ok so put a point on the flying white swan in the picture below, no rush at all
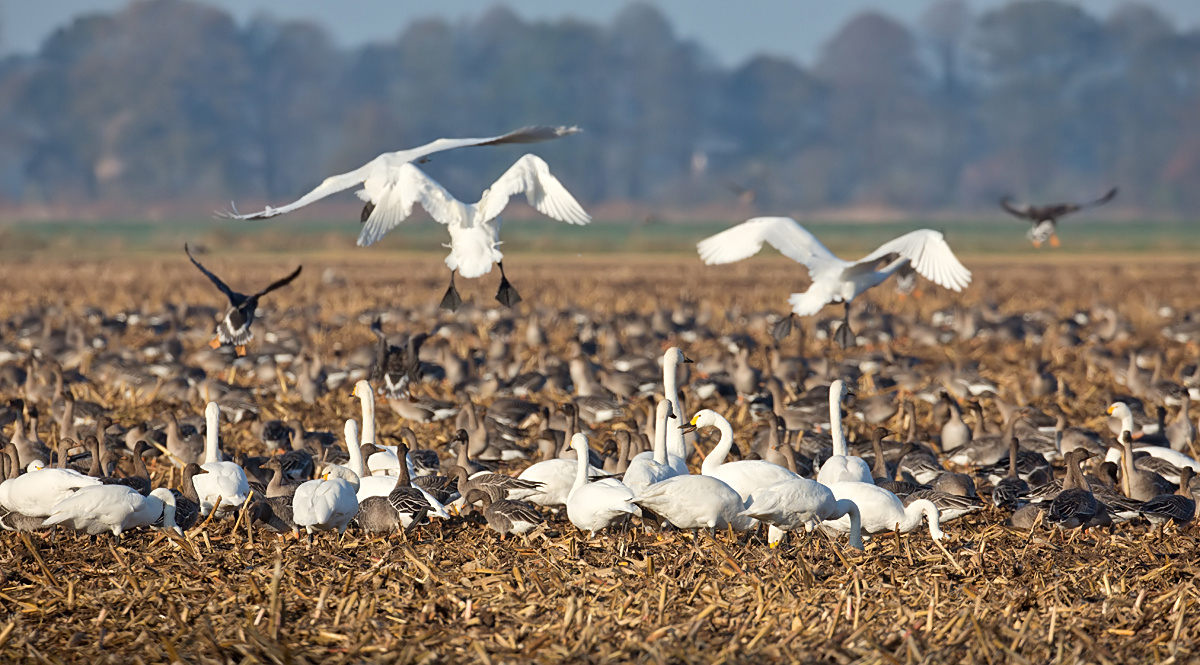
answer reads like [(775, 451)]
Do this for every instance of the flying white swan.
[(379, 176), (474, 227), (835, 279)]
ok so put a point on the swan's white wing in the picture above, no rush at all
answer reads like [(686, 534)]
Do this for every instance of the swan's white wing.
[(530, 175), (337, 183), (929, 254), (783, 233), (331, 185), (531, 134), (394, 197)]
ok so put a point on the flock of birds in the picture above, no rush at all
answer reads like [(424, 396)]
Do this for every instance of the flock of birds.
[(802, 467)]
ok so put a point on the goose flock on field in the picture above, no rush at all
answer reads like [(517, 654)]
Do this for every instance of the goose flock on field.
[(484, 419)]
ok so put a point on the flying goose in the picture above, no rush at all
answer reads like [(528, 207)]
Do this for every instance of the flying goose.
[(474, 228), (234, 329), (1045, 217), (835, 279)]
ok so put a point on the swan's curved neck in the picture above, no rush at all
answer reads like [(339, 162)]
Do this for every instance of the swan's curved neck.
[(1127, 421), (716, 457), (912, 517), (212, 452), (848, 507), (368, 414), (835, 422)]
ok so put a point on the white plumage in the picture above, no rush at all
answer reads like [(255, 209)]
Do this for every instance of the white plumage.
[(35, 493), (324, 505), (835, 279), (474, 228), (883, 511), (594, 506), (113, 508), (644, 471), (223, 481), (380, 175), (841, 467), (694, 502), (743, 476), (801, 502)]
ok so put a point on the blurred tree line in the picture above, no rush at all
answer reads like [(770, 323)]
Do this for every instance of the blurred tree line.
[(172, 100)]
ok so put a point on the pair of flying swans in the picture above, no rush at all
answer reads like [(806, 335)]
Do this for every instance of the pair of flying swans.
[(834, 279), (391, 184)]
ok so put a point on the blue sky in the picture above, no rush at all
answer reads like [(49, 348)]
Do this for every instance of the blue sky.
[(732, 30)]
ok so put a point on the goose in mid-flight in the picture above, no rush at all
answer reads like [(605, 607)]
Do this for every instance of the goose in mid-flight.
[(835, 279), (378, 176), (234, 329), (1045, 217), (474, 227)]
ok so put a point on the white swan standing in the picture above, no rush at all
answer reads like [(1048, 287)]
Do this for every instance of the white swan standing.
[(841, 467), (113, 508), (883, 511), (474, 228), (380, 176), (643, 472), (366, 485), (743, 476), (594, 506), (835, 279), (801, 502), (225, 481)]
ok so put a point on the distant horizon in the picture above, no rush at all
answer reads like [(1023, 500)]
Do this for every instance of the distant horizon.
[(731, 33)]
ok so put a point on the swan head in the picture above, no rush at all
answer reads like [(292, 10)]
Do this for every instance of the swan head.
[(675, 354), (212, 412), (35, 465), (1119, 410), (579, 443), (703, 418), (362, 389), (664, 410)]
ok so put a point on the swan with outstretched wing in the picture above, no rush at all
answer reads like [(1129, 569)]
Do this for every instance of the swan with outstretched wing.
[(835, 279)]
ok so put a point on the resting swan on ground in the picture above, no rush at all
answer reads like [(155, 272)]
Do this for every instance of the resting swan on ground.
[(841, 467), (474, 227), (35, 492), (801, 502), (114, 508), (744, 476), (834, 279), (694, 502)]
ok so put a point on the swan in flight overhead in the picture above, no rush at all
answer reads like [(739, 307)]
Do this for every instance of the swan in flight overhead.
[(835, 279), (1044, 218), (378, 176), (474, 228)]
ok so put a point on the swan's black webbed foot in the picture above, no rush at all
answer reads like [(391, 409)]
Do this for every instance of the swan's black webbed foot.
[(507, 295), (451, 301), (843, 335)]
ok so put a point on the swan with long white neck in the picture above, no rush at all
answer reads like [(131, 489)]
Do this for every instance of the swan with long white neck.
[(676, 447), (225, 481), (841, 467), (644, 472), (882, 511), (1121, 410), (801, 502), (594, 506), (743, 476)]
